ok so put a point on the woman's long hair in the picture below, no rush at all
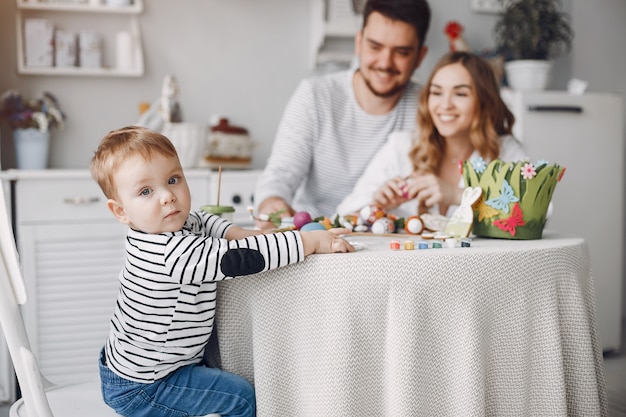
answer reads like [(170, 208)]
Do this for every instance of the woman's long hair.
[(493, 118)]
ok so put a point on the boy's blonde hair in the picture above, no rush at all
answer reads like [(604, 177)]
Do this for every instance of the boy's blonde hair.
[(118, 145)]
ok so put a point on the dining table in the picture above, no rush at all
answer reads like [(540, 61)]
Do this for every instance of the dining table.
[(493, 327)]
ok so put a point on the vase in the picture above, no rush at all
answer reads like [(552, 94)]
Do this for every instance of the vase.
[(528, 74), (31, 148)]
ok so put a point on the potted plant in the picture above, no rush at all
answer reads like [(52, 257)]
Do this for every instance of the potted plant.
[(31, 121), (530, 34)]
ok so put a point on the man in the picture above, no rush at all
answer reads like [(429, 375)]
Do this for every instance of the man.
[(334, 124)]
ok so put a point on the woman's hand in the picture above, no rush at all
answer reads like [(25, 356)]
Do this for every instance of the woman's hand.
[(430, 190), (391, 194)]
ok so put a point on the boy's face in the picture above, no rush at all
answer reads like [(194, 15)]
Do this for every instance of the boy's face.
[(151, 196)]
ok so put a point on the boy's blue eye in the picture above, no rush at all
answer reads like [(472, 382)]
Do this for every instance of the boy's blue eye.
[(173, 180), (145, 191)]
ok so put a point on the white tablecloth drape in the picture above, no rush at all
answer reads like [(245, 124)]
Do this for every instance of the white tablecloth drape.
[(503, 328)]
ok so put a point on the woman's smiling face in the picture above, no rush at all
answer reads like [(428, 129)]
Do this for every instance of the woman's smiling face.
[(452, 101)]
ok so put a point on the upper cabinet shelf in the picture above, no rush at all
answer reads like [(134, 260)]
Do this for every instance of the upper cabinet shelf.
[(117, 26), (334, 24), (135, 8)]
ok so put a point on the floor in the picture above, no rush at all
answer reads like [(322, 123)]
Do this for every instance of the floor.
[(614, 374)]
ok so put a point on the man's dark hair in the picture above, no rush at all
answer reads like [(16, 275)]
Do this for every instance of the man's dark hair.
[(414, 12)]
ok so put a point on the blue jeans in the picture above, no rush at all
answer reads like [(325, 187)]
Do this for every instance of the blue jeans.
[(193, 390)]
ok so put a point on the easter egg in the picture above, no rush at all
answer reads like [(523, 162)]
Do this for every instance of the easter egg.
[(300, 219), (312, 226), (369, 214), (383, 225), (414, 225), (327, 223)]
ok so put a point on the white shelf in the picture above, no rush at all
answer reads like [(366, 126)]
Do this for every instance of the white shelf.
[(332, 20), (132, 11), (78, 71), (338, 57), (135, 8), (346, 27)]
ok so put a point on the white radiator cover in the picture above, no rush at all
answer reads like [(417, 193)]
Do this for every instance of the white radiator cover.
[(75, 295)]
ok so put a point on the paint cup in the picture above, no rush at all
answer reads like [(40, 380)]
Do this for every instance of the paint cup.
[(225, 212)]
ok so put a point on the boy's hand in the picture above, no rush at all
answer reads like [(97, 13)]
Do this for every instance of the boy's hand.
[(326, 241)]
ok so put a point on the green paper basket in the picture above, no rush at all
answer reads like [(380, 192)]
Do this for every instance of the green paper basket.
[(516, 196)]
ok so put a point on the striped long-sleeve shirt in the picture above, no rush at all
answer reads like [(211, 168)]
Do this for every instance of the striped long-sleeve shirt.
[(324, 142), (166, 305)]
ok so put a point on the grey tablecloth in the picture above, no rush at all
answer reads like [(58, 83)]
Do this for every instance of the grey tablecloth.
[(503, 328)]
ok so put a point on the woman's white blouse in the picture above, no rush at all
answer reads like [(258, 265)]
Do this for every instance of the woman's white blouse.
[(393, 161)]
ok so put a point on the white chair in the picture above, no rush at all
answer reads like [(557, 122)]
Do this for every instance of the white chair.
[(40, 398)]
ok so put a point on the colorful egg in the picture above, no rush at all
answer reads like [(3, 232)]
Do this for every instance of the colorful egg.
[(414, 225), (301, 218), (371, 213), (327, 223), (312, 226), (383, 225)]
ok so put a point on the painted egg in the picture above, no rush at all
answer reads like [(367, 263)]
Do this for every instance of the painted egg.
[(327, 223), (312, 226), (414, 225), (383, 225), (300, 219), (371, 213)]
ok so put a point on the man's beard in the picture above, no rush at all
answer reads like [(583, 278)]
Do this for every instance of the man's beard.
[(390, 93)]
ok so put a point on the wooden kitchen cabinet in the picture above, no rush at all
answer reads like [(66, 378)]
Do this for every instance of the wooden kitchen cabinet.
[(72, 250), (102, 18)]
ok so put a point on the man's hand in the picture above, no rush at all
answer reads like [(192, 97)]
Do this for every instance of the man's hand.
[(267, 207)]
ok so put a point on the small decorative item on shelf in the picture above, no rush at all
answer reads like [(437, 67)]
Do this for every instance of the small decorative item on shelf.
[(229, 146), (529, 35), (454, 33), (38, 42), (516, 196), (31, 121)]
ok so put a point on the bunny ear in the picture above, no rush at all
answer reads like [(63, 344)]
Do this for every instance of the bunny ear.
[(475, 194), (471, 195)]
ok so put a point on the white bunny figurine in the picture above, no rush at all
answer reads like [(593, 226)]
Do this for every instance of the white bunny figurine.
[(460, 224)]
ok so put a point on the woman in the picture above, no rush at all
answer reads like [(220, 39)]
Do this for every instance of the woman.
[(461, 116)]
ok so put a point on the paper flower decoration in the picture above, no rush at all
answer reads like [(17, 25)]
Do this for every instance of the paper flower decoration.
[(478, 164), (528, 171)]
